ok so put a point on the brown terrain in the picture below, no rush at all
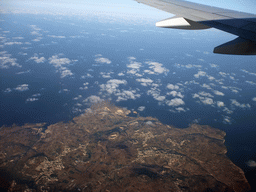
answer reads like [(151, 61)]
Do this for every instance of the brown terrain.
[(106, 150)]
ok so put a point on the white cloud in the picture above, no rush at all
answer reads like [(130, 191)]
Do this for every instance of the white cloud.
[(134, 65), (102, 60), (145, 82), (220, 104), (22, 53), (175, 102), (191, 82), (160, 98), (250, 82), (35, 33), (37, 39), (18, 38), (207, 101), (237, 104), (76, 36), (117, 81), (227, 110), (141, 108), (200, 73), (214, 65), (111, 86), (31, 99), (155, 93), (78, 97), (157, 67), (37, 59), (36, 95), (188, 66), (131, 58), (251, 163), (6, 61), (211, 78), (204, 98), (175, 94), (125, 95), (13, 43), (218, 93), (65, 73), (23, 87), (180, 109), (206, 86), (64, 90), (250, 73), (34, 27), (85, 86), (26, 48), (60, 63), (87, 76), (171, 86), (23, 72), (8, 90), (195, 95), (58, 37), (205, 94), (93, 99), (223, 74), (226, 120), (149, 72), (234, 91), (134, 72), (106, 75), (254, 98)]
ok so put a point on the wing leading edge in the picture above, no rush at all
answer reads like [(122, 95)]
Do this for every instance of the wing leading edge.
[(193, 16)]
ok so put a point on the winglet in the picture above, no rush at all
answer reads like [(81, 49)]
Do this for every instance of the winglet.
[(238, 46)]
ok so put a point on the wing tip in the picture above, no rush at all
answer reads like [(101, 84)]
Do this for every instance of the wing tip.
[(238, 46)]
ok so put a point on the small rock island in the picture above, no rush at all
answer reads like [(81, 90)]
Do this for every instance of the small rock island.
[(106, 150)]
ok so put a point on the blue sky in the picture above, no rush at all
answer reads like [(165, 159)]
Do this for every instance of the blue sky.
[(128, 5)]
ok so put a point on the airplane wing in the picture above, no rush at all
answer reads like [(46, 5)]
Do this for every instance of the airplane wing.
[(193, 16)]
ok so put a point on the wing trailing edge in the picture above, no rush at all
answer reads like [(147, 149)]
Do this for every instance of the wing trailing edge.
[(181, 23)]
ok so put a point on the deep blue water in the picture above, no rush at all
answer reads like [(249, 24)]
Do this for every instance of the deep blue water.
[(85, 38)]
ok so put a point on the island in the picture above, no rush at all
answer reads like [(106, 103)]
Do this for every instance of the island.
[(107, 149)]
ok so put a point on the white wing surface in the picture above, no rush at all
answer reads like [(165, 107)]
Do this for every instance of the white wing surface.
[(193, 16)]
